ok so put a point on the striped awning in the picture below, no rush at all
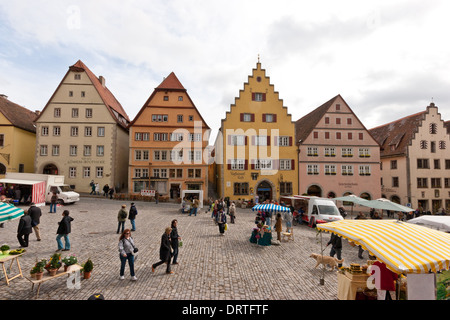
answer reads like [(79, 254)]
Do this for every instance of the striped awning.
[(403, 247), (9, 212), (270, 207)]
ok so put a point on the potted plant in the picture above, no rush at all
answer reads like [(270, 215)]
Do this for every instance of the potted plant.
[(54, 264), (87, 268), (5, 249), (38, 270), (69, 260)]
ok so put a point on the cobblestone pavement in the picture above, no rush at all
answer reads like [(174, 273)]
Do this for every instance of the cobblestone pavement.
[(211, 267)]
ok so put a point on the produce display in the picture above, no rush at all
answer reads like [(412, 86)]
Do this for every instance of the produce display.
[(17, 251)]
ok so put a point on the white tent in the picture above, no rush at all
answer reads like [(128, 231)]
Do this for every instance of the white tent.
[(441, 223)]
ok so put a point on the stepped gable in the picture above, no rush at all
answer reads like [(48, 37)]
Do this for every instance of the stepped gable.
[(19, 116), (394, 137)]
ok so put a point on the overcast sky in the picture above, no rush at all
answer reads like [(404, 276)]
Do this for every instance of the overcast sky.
[(388, 59)]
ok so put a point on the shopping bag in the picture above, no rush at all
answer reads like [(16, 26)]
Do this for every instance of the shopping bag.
[(226, 226)]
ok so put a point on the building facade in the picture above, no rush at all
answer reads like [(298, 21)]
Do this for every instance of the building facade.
[(255, 149), (168, 143), (17, 137), (416, 160), (337, 154), (82, 133)]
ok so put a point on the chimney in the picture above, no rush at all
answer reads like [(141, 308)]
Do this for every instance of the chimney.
[(3, 96), (102, 80), (37, 112)]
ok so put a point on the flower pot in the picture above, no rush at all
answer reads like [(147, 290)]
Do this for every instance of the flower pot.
[(52, 272), (87, 275), (33, 275), (39, 275), (5, 252), (65, 267)]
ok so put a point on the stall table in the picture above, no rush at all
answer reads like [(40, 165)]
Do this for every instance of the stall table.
[(348, 284), (10, 257), (47, 277)]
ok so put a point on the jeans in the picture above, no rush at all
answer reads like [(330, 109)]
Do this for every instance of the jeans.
[(121, 223), (123, 261), (133, 224), (53, 205), (175, 254), (66, 240), (193, 211)]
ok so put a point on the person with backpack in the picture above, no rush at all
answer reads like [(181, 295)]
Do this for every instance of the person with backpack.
[(132, 216), (121, 218)]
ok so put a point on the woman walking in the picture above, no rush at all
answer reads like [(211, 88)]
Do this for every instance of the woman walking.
[(278, 226), (164, 251), (64, 229), (126, 249), (232, 212), (174, 238), (222, 222)]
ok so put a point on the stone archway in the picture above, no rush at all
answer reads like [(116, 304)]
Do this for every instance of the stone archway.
[(314, 190), (265, 191), (50, 169)]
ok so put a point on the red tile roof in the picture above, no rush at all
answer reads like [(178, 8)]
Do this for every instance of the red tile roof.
[(19, 116), (171, 83)]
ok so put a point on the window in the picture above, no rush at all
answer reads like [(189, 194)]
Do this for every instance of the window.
[(338, 107), (57, 131), (160, 117), (349, 121), (137, 172), (77, 76), (347, 152), (145, 173), (327, 120), (88, 131), (176, 137), (160, 136), (237, 140), (44, 131), (312, 151), (393, 164), (447, 164), (72, 172), (347, 170), (241, 188), (156, 155), (436, 182), (423, 144), (447, 182), (285, 188), (74, 131), (89, 113), (316, 135), (269, 117), (163, 173), (350, 136), (330, 169), (361, 136), (338, 135), (57, 113), (198, 156), (83, 94), (156, 173), (285, 164), (101, 131), (433, 128), (164, 155), (261, 140), (87, 150), (70, 93), (166, 98), (100, 151), (433, 146), (263, 164), (180, 98), (395, 182), (257, 96), (437, 163), (442, 145), (73, 150), (191, 118), (327, 135), (422, 182), (86, 172), (55, 150), (176, 173), (247, 117), (364, 152), (284, 141), (330, 151), (43, 150), (237, 164), (364, 170), (21, 167), (423, 164), (99, 172), (74, 112), (180, 118), (313, 169), (338, 120)]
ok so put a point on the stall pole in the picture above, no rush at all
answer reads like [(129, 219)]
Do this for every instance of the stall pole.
[(322, 280)]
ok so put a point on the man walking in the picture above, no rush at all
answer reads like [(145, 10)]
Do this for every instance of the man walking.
[(336, 247), (35, 214), (121, 218), (195, 204), (132, 216), (24, 229)]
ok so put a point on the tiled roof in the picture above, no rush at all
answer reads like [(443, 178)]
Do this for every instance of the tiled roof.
[(171, 83), (305, 125), (394, 137), (106, 95), (19, 116)]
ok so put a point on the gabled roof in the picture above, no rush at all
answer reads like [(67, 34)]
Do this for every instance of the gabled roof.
[(394, 137), (107, 97), (305, 125), (19, 116), (171, 83)]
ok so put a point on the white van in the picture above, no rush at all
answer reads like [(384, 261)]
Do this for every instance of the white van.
[(313, 209)]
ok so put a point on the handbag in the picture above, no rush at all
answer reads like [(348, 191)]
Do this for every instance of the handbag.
[(135, 250), (180, 243)]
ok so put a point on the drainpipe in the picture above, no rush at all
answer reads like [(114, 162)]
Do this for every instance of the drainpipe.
[(298, 165)]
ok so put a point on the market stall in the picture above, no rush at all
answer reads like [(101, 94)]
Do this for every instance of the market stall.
[(403, 247), (262, 233)]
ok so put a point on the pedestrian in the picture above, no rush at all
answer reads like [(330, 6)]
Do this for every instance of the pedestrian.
[(288, 217), (376, 216), (222, 222), (105, 190), (64, 229), (213, 209), (126, 253), (92, 184), (97, 189), (174, 240), (24, 229), (164, 251), (232, 212), (227, 202), (156, 197), (360, 249), (111, 192), (336, 247), (278, 226), (121, 218), (35, 214), (195, 204), (132, 216), (53, 202)]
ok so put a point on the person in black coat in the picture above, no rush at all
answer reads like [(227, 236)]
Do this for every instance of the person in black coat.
[(35, 214), (164, 252), (24, 229), (174, 237), (64, 229), (132, 216), (336, 247)]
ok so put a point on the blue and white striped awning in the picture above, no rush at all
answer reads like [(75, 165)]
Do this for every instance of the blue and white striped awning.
[(9, 212), (270, 207)]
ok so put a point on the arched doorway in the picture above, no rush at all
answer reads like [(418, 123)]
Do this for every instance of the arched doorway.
[(50, 169), (264, 191), (315, 190), (395, 199), (366, 196), (2, 168)]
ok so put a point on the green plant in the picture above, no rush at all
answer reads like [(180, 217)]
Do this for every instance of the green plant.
[(54, 262), (4, 247), (70, 260), (88, 266), (39, 266)]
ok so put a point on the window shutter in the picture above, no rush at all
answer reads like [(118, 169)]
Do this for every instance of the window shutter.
[(268, 140), (253, 117), (292, 164), (274, 116), (246, 140), (229, 164), (263, 117), (242, 117), (246, 165), (290, 141), (253, 96), (263, 97), (252, 164)]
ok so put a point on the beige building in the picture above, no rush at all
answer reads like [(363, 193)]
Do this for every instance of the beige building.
[(82, 133), (415, 160)]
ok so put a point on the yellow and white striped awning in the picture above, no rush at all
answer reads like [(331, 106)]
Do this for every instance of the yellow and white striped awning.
[(402, 246)]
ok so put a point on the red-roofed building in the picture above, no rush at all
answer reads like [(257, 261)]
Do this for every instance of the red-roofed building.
[(168, 138), (82, 133), (415, 160)]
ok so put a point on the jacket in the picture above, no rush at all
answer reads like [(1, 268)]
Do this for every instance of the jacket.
[(126, 246), (233, 209), (278, 227), (132, 213), (174, 237), (335, 241), (64, 225), (164, 250), (122, 215), (24, 225), (35, 214)]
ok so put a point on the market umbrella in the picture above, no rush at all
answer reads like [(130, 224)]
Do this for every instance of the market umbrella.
[(9, 212), (385, 204), (402, 246), (353, 199), (270, 207), (439, 222)]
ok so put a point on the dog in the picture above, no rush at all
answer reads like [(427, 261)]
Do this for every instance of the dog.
[(326, 260)]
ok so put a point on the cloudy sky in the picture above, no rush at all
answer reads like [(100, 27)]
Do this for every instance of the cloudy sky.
[(388, 59)]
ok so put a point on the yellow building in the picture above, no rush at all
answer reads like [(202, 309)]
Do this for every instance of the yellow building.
[(255, 149), (17, 137)]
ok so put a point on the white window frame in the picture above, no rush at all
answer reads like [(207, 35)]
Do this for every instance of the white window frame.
[(237, 164), (285, 164)]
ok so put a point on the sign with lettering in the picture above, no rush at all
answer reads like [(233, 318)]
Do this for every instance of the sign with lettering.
[(150, 193)]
